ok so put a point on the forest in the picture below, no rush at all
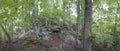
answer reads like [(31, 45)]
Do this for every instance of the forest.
[(59, 25)]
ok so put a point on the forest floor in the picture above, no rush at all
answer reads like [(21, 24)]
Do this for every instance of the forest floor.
[(49, 40)]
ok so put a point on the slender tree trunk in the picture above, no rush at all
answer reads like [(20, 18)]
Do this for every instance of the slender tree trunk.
[(87, 25), (78, 21)]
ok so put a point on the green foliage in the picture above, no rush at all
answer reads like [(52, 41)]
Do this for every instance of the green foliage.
[(21, 14)]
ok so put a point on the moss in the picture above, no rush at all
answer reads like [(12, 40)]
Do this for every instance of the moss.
[(53, 49), (27, 43)]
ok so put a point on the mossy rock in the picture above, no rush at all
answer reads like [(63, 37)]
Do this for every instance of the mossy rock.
[(27, 43), (53, 49)]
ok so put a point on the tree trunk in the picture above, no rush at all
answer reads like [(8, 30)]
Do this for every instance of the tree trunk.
[(78, 21), (87, 25)]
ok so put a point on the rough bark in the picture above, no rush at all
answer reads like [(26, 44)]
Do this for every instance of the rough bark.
[(87, 25), (78, 21)]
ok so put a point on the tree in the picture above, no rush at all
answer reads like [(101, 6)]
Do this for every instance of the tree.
[(78, 20), (87, 25)]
